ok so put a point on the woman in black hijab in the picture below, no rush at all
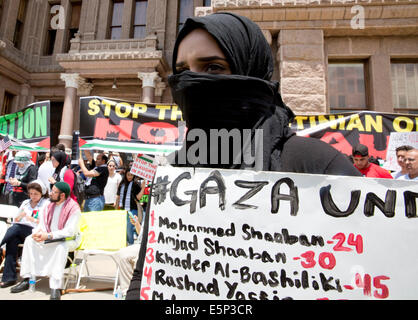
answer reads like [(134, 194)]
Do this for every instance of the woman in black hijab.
[(59, 162), (222, 69), (233, 90)]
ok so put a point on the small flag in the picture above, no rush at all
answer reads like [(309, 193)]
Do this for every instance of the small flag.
[(5, 143)]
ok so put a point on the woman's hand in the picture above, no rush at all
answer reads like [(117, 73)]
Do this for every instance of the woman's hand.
[(135, 222), (21, 215), (14, 182), (52, 180)]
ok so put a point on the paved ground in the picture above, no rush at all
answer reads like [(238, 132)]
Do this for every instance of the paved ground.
[(98, 265)]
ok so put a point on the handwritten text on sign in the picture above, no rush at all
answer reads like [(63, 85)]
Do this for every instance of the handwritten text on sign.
[(242, 235), (144, 167)]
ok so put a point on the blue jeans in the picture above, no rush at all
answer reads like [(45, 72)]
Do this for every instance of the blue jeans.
[(94, 204), (130, 230)]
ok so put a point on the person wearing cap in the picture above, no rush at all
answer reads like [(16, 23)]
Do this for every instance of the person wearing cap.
[(59, 221), (26, 172), (23, 224), (411, 164), (361, 162)]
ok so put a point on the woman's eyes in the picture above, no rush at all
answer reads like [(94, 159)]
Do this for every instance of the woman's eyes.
[(211, 68), (215, 68)]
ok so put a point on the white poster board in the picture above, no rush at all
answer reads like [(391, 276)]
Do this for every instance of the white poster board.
[(144, 167), (226, 234), (396, 140)]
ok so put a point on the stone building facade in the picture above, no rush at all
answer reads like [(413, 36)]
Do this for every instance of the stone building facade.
[(330, 55)]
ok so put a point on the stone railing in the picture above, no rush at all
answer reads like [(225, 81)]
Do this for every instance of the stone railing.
[(272, 3), (15, 55), (78, 45), (121, 49)]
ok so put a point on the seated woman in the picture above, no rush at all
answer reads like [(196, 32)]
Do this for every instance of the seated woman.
[(30, 212), (26, 172)]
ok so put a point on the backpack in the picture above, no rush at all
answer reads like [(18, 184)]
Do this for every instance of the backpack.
[(79, 187)]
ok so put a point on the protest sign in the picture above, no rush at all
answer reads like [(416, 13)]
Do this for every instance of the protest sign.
[(105, 230), (144, 167), (28, 128), (346, 130), (396, 140), (121, 126), (226, 234)]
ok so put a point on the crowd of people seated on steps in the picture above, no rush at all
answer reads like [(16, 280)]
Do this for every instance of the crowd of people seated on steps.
[(44, 188)]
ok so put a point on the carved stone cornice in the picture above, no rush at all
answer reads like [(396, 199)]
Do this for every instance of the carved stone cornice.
[(159, 88), (149, 79), (84, 88), (382, 17), (72, 80)]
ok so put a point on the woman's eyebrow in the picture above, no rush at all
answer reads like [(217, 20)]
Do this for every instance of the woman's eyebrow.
[(210, 58), (202, 59)]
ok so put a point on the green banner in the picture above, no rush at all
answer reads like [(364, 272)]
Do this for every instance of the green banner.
[(29, 128)]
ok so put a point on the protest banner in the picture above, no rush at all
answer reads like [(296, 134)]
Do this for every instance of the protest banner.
[(144, 167), (105, 230), (121, 126), (346, 130), (398, 139), (226, 234), (29, 128)]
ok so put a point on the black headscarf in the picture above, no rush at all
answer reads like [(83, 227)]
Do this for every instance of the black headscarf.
[(61, 157), (247, 99)]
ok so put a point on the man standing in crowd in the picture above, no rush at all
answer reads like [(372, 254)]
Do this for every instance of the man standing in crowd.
[(59, 221), (400, 157), (411, 163), (96, 182), (361, 162)]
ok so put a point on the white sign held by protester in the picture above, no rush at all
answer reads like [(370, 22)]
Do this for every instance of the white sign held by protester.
[(226, 234), (396, 140), (144, 167)]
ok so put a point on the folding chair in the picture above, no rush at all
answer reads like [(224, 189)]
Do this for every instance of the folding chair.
[(103, 234)]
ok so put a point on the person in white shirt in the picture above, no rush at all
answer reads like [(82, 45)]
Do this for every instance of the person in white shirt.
[(411, 162), (28, 218), (59, 222), (400, 157), (112, 185), (46, 170), (127, 257)]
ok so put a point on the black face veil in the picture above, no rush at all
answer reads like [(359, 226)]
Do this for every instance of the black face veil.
[(247, 99)]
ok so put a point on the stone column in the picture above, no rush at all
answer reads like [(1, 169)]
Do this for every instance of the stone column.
[(24, 95), (127, 19), (302, 70), (380, 83), (149, 83), (8, 24), (159, 91), (84, 90), (89, 19), (72, 82)]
